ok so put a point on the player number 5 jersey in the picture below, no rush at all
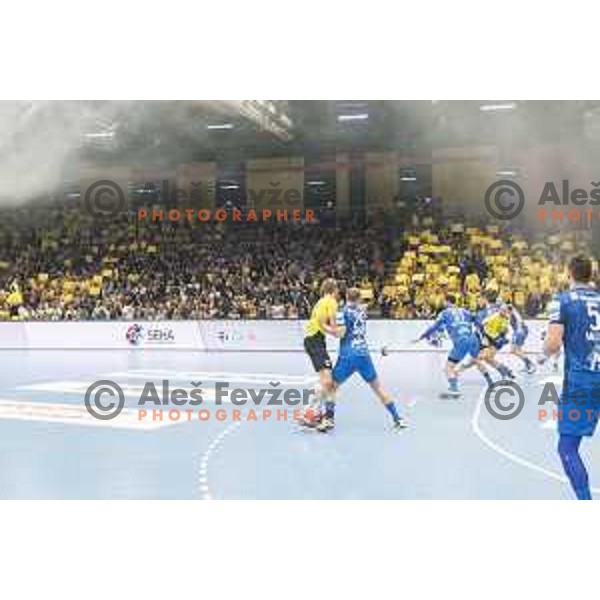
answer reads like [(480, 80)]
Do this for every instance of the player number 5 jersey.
[(578, 310)]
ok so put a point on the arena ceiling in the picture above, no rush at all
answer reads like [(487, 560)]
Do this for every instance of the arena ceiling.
[(237, 130)]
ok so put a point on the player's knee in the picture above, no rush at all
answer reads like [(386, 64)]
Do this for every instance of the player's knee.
[(325, 378)]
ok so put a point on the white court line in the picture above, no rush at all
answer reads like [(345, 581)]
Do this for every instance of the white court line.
[(510, 455), (215, 445), (67, 414), (80, 387)]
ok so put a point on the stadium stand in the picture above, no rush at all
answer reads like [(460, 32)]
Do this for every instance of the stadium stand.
[(57, 263)]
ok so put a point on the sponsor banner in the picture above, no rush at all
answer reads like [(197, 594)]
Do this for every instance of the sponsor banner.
[(288, 335), (163, 334), (252, 335), (215, 336), (114, 335)]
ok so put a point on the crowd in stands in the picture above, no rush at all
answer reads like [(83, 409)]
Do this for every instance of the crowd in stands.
[(469, 260), (58, 263)]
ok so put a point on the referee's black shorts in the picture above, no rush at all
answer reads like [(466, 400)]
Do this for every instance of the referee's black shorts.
[(316, 349)]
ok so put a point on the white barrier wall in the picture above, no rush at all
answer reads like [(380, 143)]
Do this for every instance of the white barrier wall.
[(217, 336), (100, 335), (12, 335), (288, 335)]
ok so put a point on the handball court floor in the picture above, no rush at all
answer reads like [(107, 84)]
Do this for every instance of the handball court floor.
[(453, 449)]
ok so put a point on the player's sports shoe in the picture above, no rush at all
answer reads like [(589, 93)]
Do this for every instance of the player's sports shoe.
[(530, 369), (311, 418), (507, 373), (325, 425), (450, 394), (399, 424)]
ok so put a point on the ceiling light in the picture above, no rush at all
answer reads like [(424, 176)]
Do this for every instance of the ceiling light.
[(356, 117), (496, 107)]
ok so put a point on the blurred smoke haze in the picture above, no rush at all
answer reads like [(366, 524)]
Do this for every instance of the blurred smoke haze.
[(41, 141), (39, 138), (36, 139)]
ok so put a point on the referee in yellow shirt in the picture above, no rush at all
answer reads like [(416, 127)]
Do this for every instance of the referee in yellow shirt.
[(322, 321)]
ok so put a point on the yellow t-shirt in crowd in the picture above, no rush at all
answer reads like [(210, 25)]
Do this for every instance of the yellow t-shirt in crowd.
[(472, 283), (492, 285), (325, 308), (470, 301), (15, 299)]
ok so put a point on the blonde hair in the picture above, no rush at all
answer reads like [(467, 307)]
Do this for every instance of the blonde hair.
[(329, 286), (353, 294)]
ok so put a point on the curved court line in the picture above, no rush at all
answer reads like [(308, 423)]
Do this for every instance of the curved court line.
[(213, 447), (509, 455)]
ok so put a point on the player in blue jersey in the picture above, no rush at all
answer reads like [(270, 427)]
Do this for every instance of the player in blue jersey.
[(459, 326), (575, 325), (520, 331), (354, 357)]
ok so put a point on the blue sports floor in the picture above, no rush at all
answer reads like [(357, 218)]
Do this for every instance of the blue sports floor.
[(453, 449)]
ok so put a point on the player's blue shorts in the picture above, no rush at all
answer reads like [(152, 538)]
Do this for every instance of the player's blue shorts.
[(579, 407), (519, 337), (348, 364), (462, 346)]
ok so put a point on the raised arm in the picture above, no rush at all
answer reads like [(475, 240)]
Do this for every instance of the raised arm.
[(435, 327)]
